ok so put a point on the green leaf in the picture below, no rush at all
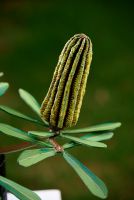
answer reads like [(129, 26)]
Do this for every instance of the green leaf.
[(84, 142), (30, 100), (18, 114), (93, 183), (96, 137), (19, 191), (3, 87), (31, 157), (96, 128), (1, 74), (14, 132), (41, 134)]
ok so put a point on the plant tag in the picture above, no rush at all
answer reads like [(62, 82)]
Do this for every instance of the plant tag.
[(43, 194)]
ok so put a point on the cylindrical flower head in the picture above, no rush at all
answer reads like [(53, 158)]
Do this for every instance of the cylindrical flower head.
[(62, 104)]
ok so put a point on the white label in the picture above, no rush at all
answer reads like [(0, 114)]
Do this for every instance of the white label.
[(43, 194)]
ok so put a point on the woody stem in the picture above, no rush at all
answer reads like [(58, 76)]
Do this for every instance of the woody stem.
[(55, 144)]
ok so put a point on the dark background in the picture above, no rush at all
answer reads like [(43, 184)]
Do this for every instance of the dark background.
[(32, 34)]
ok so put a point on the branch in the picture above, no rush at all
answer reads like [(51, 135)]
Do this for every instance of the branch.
[(15, 148)]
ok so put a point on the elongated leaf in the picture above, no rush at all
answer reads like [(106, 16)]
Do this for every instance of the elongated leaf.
[(84, 142), (14, 132), (3, 87), (30, 100), (18, 114), (41, 134), (1, 74), (96, 128), (96, 137), (70, 145), (19, 191), (93, 183), (31, 157)]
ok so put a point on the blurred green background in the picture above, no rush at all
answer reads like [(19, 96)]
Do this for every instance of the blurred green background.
[(32, 34)]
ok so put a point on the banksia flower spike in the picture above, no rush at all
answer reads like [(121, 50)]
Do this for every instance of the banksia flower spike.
[(62, 104)]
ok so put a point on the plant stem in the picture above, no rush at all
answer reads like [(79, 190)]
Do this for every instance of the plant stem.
[(55, 144), (16, 148)]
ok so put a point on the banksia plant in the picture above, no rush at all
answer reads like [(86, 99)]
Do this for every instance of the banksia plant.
[(59, 111), (62, 104)]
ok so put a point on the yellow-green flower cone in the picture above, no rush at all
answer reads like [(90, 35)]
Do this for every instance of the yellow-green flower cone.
[(62, 104)]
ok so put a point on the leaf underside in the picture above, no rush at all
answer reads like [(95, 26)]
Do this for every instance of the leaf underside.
[(31, 157), (93, 183), (19, 191), (42, 134), (85, 142), (96, 137), (15, 132)]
